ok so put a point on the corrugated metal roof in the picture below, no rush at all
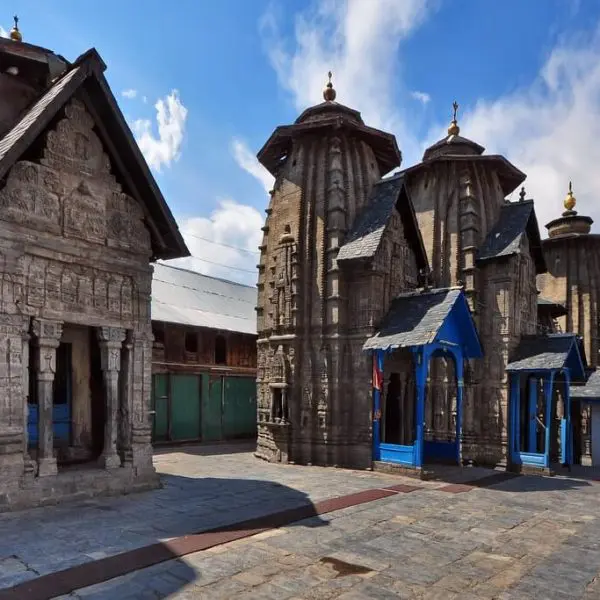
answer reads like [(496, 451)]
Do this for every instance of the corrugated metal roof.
[(190, 298)]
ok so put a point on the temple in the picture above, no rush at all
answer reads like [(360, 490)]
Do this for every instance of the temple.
[(400, 320), (81, 221)]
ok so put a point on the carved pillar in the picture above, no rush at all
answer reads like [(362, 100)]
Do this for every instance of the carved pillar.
[(126, 402), (141, 425), (47, 339), (111, 340)]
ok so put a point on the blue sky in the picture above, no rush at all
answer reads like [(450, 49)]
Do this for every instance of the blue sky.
[(225, 73)]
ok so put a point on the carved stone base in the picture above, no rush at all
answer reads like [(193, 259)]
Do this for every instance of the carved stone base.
[(47, 467), (110, 461)]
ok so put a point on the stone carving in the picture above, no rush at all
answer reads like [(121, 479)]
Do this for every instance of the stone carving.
[(85, 214)]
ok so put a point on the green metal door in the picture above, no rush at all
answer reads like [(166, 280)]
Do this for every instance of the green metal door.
[(212, 402), (185, 407), (239, 407), (161, 407)]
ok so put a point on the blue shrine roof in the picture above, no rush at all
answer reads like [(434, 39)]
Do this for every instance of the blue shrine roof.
[(552, 352), (439, 316), (590, 390)]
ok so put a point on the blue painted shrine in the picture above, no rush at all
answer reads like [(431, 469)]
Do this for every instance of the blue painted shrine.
[(541, 372), (425, 324)]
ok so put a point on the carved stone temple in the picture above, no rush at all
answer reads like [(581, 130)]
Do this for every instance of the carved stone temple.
[(81, 220), (400, 322)]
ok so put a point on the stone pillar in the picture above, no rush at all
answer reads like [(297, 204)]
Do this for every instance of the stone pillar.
[(141, 423), (111, 340), (126, 402), (47, 336)]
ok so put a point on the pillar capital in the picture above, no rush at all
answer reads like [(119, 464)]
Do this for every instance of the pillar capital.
[(111, 336), (46, 333)]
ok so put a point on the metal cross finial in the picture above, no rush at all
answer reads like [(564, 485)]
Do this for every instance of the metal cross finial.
[(570, 187), (16, 22), (455, 107), (522, 194), (329, 74)]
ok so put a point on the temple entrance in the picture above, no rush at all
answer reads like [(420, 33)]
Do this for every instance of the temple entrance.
[(441, 444), (542, 429), (540, 408), (417, 408), (78, 398)]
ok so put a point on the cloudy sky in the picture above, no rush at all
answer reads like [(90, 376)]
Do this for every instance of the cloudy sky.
[(203, 84)]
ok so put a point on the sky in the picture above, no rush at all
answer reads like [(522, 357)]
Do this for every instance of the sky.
[(203, 84)]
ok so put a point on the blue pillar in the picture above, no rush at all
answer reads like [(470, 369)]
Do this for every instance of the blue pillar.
[(459, 363), (378, 357), (548, 385), (532, 390), (421, 376), (566, 440), (515, 417)]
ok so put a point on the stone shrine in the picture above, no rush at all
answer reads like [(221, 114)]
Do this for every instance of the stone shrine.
[(81, 219)]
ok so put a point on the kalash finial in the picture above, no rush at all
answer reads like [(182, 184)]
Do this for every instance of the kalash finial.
[(522, 194), (329, 93), (454, 129), (570, 200), (15, 34)]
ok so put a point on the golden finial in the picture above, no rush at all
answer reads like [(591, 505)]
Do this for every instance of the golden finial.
[(329, 92), (15, 34), (522, 194), (570, 200), (454, 129)]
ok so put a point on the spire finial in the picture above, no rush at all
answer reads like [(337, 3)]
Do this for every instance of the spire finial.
[(570, 200), (522, 194), (454, 129), (15, 34), (329, 93)]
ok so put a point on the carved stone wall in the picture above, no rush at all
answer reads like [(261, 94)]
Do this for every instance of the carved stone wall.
[(315, 316), (73, 249), (457, 204)]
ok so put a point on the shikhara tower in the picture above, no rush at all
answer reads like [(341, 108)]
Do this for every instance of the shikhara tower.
[(316, 306)]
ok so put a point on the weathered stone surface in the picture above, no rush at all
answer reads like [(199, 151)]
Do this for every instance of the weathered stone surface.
[(74, 258)]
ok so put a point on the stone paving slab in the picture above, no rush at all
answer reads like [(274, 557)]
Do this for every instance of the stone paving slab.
[(523, 539)]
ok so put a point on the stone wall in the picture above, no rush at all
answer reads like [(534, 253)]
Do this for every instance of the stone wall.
[(74, 250)]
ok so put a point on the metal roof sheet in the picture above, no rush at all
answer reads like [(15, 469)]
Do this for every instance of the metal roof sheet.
[(190, 298)]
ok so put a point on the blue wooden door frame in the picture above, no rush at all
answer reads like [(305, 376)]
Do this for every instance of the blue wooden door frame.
[(532, 457), (413, 455)]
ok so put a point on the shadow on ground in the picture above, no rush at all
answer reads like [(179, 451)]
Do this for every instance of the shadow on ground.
[(210, 512)]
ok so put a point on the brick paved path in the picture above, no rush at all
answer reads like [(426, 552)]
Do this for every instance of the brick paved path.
[(520, 539)]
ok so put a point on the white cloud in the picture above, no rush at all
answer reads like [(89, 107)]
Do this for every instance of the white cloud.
[(171, 117), (130, 94), (144, 99), (358, 41), (247, 160), (550, 130), (3, 32), (422, 97), (236, 229)]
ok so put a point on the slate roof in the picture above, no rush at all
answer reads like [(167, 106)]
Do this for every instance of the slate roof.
[(516, 220), (542, 352), (450, 144), (85, 77), (590, 390), (190, 298), (555, 309), (363, 240), (414, 319)]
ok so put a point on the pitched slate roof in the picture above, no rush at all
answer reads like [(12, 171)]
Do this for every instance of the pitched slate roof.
[(554, 309), (364, 239), (414, 319), (516, 220), (190, 298), (543, 352), (590, 390), (85, 77)]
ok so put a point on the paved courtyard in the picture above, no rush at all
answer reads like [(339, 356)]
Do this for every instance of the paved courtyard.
[(523, 538)]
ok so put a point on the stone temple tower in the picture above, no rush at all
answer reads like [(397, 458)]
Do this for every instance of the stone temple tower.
[(325, 166)]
